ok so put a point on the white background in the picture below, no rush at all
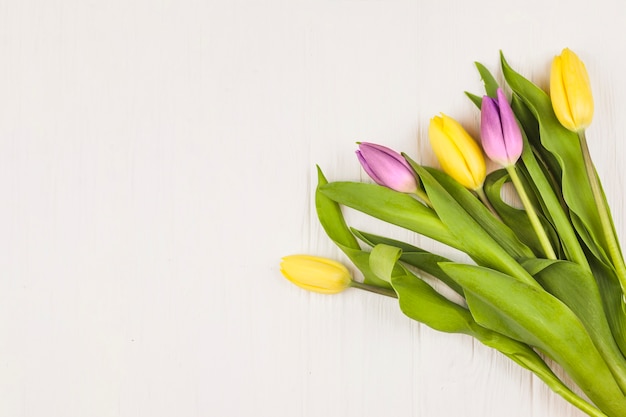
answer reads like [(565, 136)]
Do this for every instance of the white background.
[(157, 158)]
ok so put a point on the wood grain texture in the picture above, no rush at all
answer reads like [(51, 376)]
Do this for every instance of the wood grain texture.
[(157, 158)]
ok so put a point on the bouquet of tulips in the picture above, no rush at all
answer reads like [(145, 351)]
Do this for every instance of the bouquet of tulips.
[(547, 283)]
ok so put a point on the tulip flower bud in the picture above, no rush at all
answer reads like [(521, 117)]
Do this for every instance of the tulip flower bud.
[(316, 274), (570, 91), (457, 152), (500, 134), (387, 167)]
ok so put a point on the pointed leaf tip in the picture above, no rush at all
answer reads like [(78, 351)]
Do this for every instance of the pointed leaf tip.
[(491, 85), (321, 178), (477, 100)]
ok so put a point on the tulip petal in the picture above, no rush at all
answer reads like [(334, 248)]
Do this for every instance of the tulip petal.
[(367, 168), (570, 91), (558, 95), (470, 150), (578, 90), (383, 149), (501, 136), (511, 132), (457, 152), (315, 273), (491, 131), (387, 167)]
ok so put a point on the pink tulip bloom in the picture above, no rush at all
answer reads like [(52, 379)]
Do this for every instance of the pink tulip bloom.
[(501, 136), (387, 167)]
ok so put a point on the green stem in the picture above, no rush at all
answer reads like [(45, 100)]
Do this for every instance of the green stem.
[(422, 196), (374, 289), (548, 187), (530, 212), (605, 217)]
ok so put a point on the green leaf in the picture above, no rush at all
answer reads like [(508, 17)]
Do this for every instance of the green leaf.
[(500, 232), (516, 219), (390, 206), (577, 288), (477, 100), (533, 316), (422, 303), (411, 255), (383, 260), (333, 222), (526, 119), (373, 240), (530, 127), (613, 302), (417, 299), (553, 208), (529, 359), (475, 241), (331, 218), (491, 85), (540, 206)]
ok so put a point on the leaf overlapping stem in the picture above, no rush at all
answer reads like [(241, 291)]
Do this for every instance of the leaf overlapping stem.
[(532, 215), (612, 244)]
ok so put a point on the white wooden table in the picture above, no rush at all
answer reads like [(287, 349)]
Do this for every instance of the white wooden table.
[(157, 158)]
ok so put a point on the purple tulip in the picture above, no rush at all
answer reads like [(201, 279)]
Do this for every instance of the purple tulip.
[(500, 134), (387, 167)]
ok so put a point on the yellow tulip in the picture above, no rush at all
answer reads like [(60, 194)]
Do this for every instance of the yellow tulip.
[(570, 91), (457, 152), (316, 274)]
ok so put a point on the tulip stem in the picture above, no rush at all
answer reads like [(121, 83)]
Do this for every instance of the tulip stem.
[(530, 212), (483, 197), (373, 288), (422, 196), (603, 211)]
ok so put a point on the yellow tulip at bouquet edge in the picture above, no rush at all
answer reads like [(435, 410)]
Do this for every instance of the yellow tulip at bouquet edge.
[(570, 91), (316, 274), (548, 279)]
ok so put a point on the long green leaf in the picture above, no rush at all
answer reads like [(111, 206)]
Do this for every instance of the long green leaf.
[(383, 261), (475, 241), (530, 126), (411, 255), (390, 206), (500, 232), (422, 303), (553, 208), (613, 301), (333, 222), (577, 288), (477, 100), (491, 85), (535, 317)]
